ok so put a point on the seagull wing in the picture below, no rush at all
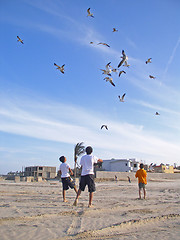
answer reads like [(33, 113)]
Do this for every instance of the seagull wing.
[(107, 66), (121, 62), (112, 83), (123, 53), (123, 96), (56, 65), (88, 11), (121, 72)]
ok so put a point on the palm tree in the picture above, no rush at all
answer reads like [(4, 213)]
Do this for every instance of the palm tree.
[(78, 150)]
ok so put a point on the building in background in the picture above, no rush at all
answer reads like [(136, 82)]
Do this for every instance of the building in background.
[(120, 165), (45, 172), (164, 169)]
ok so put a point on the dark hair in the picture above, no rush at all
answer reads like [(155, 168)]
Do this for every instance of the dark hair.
[(141, 165), (89, 150), (62, 159)]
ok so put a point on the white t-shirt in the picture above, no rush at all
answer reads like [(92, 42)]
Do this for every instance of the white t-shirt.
[(64, 167), (87, 163)]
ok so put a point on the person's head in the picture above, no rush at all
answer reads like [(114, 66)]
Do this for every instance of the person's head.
[(141, 165), (62, 159), (89, 150)]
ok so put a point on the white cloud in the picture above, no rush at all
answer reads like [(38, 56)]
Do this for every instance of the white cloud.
[(172, 56), (30, 119)]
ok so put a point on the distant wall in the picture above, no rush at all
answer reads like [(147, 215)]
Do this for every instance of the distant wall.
[(123, 175)]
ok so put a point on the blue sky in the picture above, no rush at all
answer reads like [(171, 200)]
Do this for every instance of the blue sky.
[(44, 113)]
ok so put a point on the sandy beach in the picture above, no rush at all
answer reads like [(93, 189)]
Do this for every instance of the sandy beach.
[(36, 211)]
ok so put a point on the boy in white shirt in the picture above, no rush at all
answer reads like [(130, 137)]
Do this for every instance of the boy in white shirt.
[(87, 175), (67, 182)]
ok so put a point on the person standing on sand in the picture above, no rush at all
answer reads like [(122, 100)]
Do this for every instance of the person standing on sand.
[(115, 178), (87, 175), (129, 180), (141, 174), (67, 182)]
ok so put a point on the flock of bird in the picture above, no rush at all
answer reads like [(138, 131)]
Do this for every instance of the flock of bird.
[(108, 68)]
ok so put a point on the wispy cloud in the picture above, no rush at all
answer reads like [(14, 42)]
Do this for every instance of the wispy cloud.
[(31, 120), (172, 56)]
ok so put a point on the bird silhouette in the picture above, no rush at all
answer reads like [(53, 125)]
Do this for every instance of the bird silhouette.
[(121, 73), (60, 68), (107, 71), (89, 13), (157, 113), (105, 44), (148, 61), (151, 76), (104, 126), (108, 79), (20, 40), (124, 58), (115, 30), (122, 98)]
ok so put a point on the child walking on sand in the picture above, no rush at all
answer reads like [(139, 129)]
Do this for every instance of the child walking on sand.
[(142, 181), (67, 182), (87, 175)]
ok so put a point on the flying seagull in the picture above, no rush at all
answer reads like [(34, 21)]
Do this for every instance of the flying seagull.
[(124, 58), (89, 13), (115, 30), (104, 126), (151, 76), (20, 40), (148, 61), (108, 79), (121, 72), (60, 68), (107, 71), (105, 44), (157, 113), (91, 42), (122, 98)]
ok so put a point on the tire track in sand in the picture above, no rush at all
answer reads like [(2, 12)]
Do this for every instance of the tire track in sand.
[(112, 231)]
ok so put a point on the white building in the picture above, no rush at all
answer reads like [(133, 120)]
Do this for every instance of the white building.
[(120, 165)]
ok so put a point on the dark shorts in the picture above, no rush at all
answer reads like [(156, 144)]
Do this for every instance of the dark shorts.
[(87, 180), (142, 185), (67, 182)]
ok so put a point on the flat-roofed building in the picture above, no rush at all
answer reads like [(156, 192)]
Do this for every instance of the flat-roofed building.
[(120, 165), (40, 171)]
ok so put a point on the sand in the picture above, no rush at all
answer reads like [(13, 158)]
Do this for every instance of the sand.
[(36, 211)]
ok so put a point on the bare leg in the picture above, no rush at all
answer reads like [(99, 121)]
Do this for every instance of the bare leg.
[(77, 197), (75, 189), (64, 196), (139, 193), (90, 199), (144, 193)]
